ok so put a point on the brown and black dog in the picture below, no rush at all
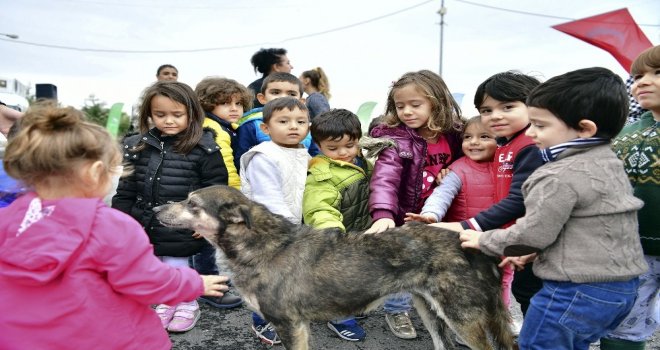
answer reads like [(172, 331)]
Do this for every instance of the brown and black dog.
[(293, 274)]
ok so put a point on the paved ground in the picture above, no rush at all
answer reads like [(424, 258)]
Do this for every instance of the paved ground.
[(230, 330)]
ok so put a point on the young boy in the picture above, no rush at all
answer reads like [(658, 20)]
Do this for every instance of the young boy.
[(581, 215), (224, 101), (501, 103), (638, 146), (273, 173), (275, 85), (337, 188)]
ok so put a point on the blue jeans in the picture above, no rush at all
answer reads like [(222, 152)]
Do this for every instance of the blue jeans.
[(204, 261), (565, 315), (396, 303)]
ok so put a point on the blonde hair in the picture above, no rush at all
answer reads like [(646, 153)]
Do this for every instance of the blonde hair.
[(445, 111), (319, 80), (53, 141)]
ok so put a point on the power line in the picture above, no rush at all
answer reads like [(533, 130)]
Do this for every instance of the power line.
[(63, 47), (532, 13)]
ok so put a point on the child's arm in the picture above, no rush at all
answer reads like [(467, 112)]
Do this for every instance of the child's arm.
[(213, 170), (320, 205), (267, 185), (384, 187), (247, 138), (224, 141), (511, 207), (436, 206)]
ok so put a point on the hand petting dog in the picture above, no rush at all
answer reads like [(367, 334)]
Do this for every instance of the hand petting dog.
[(215, 285), (470, 239)]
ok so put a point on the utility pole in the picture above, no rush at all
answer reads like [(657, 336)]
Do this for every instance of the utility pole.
[(442, 11)]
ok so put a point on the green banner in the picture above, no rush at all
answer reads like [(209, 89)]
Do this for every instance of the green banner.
[(114, 118)]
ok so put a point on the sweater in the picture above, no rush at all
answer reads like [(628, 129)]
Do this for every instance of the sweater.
[(581, 218)]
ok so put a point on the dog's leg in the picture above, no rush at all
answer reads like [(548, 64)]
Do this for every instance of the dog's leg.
[(294, 335), (429, 320), (498, 325)]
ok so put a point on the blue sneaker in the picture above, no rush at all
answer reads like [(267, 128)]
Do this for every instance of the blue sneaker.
[(266, 333), (348, 330)]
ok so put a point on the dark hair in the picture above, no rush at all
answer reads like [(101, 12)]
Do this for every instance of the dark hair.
[(648, 59), (505, 87), (594, 94), (319, 81), (165, 66), (264, 59), (213, 91), (183, 94), (445, 111), (281, 103), (334, 124), (281, 76)]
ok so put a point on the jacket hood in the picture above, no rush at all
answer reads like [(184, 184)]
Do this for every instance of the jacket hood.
[(42, 238)]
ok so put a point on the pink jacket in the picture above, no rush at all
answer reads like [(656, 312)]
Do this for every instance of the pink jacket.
[(82, 277)]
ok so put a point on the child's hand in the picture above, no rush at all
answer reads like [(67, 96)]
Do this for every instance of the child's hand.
[(517, 262), (454, 226), (428, 219), (441, 175), (197, 235), (380, 225), (470, 239), (215, 285)]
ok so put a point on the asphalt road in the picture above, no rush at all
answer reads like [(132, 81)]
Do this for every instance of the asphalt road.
[(230, 330)]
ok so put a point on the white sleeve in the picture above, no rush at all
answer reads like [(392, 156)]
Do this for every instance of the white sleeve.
[(439, 201), (266, 182)]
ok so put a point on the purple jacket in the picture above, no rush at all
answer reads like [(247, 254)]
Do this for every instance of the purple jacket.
[(397, 178)]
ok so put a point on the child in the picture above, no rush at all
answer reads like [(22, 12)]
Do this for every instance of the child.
[(74, 273), (273, 173), (169, 161), (276, 85), (337, 189), (423, 119), (637, 145), (500, 100), (581, 215), (223, 101), (468, 188), (316, 86)]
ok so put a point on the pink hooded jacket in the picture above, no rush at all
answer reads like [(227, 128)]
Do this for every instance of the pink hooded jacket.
[(75, 274)]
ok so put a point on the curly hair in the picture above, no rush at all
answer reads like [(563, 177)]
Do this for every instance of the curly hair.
[(213, 91)]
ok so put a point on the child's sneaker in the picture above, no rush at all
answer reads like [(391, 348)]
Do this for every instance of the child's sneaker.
[(165, 313), (185, 317), (348, 330), (266, 333), (401, 325)]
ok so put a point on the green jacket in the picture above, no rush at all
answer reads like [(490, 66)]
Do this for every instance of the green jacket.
[(337, 194), (638, 145)]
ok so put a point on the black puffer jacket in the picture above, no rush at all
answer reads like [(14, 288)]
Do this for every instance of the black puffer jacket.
[(161, 175)]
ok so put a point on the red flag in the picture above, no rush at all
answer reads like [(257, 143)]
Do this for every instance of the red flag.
[(615, 32)]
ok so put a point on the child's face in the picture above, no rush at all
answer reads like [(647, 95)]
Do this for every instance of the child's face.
[(168, 74), (503, 118), (287, 128), (231, 110), (343, 149), (646, 89), (412, 107), (478, 143), (277, 89), (547, 130), (169, 116)]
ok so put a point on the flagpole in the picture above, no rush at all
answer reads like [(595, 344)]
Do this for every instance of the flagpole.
[(442, 11)]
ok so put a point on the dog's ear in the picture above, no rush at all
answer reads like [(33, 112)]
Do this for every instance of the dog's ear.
[(239, 214)]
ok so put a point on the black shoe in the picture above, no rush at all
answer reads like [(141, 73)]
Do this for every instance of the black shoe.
[(226, 301)]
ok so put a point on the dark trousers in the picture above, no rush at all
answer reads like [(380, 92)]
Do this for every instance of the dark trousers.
[(525, 285), (204, 261)]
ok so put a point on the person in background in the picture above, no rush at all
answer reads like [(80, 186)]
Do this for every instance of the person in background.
[(638, 145), (316, 86), (267, 61), (75, 274), (167, 72), (169, 161), (424, 121)]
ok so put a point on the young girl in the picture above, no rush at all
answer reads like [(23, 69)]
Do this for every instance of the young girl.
[(424, 121), (169, 161), (316, 86), (74, 273)]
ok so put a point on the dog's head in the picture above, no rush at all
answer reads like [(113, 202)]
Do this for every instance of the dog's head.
[(207, 211)]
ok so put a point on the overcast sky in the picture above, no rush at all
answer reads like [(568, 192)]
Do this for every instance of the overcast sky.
[(362, 45)]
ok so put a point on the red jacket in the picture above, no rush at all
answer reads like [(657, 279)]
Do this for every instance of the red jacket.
[(477, 189)]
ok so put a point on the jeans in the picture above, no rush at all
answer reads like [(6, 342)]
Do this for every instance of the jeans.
[(396, 303), (204, 261), (566, 315)]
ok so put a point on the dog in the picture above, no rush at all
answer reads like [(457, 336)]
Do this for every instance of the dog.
[(293, 274)]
